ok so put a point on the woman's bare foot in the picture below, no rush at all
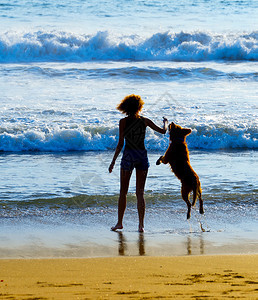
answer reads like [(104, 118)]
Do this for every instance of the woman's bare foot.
[(117, 226), (141, 229)]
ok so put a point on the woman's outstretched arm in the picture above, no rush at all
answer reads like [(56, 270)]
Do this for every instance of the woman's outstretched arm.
[(157, 128), (120, 144)]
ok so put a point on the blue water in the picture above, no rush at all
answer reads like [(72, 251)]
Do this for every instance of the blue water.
[(65, 65)]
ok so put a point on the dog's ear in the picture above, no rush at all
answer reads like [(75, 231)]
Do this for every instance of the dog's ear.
[(171, 125), (187, 131)]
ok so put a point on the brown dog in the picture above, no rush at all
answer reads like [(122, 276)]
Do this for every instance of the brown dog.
[(177, 156)]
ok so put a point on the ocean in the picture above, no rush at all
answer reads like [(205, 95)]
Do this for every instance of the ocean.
[(64, 67)]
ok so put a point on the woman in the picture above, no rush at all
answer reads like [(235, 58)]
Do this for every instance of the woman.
[(132, 129)]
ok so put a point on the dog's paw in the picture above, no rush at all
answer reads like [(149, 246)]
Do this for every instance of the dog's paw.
[(158, 162)]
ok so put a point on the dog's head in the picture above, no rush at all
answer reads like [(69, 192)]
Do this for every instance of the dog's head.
[(176, 132)]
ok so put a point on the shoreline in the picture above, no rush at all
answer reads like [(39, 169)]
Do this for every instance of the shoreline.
[(107, 244), (128, 256), (216, 276)]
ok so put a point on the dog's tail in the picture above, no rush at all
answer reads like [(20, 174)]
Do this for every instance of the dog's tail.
[(197, 192)]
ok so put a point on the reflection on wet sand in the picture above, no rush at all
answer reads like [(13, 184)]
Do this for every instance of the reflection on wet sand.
[(122, 244), (194, 245), (189, 245), (141, 244)]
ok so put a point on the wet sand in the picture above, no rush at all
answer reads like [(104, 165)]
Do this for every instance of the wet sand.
[(197, 277)]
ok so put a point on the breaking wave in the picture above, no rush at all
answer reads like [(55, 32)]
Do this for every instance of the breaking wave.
[(207, 137), (165, 46)]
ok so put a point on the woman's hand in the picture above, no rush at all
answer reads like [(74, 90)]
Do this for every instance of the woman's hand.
[(110, 169), (165, 120), (165, 123)]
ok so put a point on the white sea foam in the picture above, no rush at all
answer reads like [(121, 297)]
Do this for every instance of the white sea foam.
[(104, 138), (164, 46)]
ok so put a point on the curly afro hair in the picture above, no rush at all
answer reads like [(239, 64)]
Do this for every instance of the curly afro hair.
[(131, 105)]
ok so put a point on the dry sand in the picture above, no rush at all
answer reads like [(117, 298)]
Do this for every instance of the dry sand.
[(188, 277)]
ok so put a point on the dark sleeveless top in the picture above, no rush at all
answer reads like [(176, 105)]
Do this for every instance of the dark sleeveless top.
[(135, 133)]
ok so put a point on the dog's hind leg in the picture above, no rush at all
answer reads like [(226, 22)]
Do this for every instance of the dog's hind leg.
[(200, 202), (198, 191), (185, 191), (194, 197)]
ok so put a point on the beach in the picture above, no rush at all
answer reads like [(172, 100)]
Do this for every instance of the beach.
[(64, 67), (196, 277)]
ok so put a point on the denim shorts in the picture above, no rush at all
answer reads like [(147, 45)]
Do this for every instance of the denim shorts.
[(137, 159)]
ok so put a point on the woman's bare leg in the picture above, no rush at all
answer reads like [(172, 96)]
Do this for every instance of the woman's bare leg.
[(124, 184), (141, 176)]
